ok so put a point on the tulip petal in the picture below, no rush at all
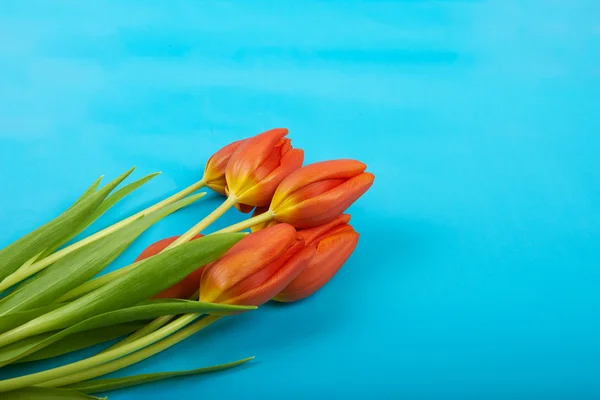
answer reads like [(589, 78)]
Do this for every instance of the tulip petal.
[(309, 191), (313, 235), (216, 165), (272, 161), (327, 206), (258, 278), (245, 258), (262, 192), (332, 252), (325, 170), (249, 156), (282, 278)]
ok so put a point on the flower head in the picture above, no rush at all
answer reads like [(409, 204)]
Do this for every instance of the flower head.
[(317, 193), (257, 268), (259, 165), (335, 242)]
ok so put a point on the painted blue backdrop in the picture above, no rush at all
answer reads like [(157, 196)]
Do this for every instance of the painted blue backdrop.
[(478, 270)]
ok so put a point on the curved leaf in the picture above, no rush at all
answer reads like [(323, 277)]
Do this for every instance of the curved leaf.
[(104, 385), (47, 236), (149, 310), (39, 393), (81, 265)]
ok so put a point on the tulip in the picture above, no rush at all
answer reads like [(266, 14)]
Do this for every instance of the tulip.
[(257, 268), (317, 193), (185, 288), (258, 166), (335, 242), (214, 172)]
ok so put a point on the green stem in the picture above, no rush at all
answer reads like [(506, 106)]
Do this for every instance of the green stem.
[(79, 366), (135, 357), (205, 223), (249, 223), (51, 259), (149, 328)]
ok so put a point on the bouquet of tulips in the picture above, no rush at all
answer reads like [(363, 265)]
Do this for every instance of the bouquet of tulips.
[(53, 302)]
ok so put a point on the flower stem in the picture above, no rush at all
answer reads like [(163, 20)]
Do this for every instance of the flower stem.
[(205, 223), (135, 357), (79, 366), (37, 266), (249, 223), (149, 328)]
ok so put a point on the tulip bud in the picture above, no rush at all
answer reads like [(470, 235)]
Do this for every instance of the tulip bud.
[(335, 242), (257, 268), (317, 193), (181, 290), (214, 172), (258, 166)]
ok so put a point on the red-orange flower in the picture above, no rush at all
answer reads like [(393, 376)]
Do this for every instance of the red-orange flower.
[(214, 172), (317, 193), (259, 165), (257, 268), (182, 290), (335, 242)]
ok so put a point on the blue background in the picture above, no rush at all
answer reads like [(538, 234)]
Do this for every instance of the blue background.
[(478, 270)]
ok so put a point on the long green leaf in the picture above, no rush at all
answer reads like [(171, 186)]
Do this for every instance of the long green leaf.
[(39, 393), (12, 320), (107, 204), (47, 236), (105, 385), (89, 191), (83, 340), (81, 265), (149, 310), (150, 277)]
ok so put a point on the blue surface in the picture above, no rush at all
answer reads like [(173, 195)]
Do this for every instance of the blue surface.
[(478, 270)]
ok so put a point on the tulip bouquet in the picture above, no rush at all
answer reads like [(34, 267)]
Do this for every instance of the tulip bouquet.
[(53, 302)]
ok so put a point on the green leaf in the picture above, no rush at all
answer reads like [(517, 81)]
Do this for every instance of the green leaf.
[(149, 310), (40, 393), (47, 236), (109, 203), (83, 340), (12, 320), (105, 385), (89, 191), (150, 277), (81, 265)]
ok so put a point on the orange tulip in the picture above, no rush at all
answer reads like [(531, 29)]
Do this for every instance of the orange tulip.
[(317, 193), (214, 172), (335, 242), (257, 268), (259, 165), (181, 290)]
